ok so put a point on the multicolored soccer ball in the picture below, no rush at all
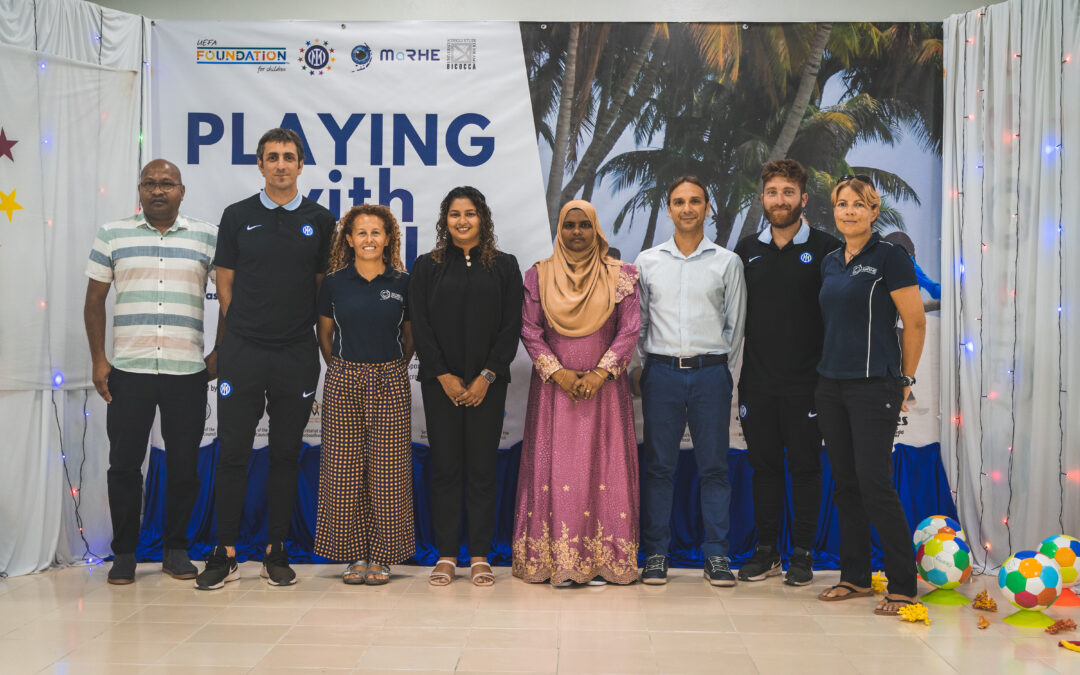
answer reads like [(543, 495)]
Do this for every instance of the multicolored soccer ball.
[(932, 525), (1030, 580), (944, 560), (1065, 551)]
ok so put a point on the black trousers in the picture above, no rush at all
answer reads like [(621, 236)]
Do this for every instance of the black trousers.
[(464, 455), (772, 423), (858, 420), (252, 378), (135, 400)]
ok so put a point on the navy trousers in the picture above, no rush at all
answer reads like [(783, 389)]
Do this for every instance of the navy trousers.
[(671, 398)]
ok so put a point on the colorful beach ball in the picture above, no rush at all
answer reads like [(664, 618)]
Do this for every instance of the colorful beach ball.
[(932, 525), (944, 560), (1030, 580), (1065, 551)]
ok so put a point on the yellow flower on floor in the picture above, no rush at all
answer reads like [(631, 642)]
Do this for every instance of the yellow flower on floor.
[(915, 613), (878, 582)]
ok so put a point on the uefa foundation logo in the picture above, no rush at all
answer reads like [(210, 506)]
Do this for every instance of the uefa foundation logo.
[(361, 57), (461, 54), (316, 56)]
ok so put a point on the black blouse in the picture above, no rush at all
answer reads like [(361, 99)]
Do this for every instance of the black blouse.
[(465, 318)]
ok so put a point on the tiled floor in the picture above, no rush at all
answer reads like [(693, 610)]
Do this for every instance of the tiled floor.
[(71, 621)]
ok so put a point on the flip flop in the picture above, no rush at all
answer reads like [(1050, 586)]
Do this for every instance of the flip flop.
[(852, 592), (881, 611)]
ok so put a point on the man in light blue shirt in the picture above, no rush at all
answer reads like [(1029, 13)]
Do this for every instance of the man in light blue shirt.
[(693, 305)]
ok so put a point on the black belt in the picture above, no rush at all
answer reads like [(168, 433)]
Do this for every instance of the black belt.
[(689, 362)]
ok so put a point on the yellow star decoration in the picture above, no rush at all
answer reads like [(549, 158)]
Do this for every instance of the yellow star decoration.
[(622, 515), (587, 514), (566, 488), (602, 486), (544, 488), (530, 514), (8, 203)]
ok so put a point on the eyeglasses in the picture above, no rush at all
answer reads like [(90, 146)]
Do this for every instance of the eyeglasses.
[(152, 186), (856, 176)]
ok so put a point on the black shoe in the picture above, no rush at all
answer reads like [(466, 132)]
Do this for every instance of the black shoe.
[(655, 571), (718, 570), (122, 571), (800, 568), (276, 568), (764, 564), (176, 563), (220, 569)]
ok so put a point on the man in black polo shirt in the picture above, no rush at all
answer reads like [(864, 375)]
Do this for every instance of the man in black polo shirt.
[(271, 255), (783, 342)]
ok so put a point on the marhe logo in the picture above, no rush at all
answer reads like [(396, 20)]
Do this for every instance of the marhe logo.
[(248, 56), (411, 54), (316, 56)]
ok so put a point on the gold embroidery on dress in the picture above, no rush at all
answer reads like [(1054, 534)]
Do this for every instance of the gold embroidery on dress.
[(577, 558), (625, 285), (546, 366)]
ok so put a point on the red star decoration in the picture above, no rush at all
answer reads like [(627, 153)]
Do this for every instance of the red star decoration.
[(6, 145)]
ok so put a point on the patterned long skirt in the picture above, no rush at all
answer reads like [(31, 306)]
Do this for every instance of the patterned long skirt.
[(365, 502)]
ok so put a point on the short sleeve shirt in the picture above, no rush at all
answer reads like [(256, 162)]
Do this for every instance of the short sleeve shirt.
[(160, 280), (860, 317), (369, 316), (275, 252)]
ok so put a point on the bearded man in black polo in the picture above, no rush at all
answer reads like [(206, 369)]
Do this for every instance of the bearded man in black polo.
[(784, 334)]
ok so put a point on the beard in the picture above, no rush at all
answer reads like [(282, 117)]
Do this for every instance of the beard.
[(784, 219)]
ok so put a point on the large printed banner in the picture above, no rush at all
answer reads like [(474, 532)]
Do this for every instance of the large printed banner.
[(399, 113), (390, 113)]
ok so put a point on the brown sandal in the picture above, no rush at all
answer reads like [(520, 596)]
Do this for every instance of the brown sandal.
[(355, 573), (852, 592)]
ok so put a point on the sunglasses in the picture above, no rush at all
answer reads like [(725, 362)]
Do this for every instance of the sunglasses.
[(857, 176)]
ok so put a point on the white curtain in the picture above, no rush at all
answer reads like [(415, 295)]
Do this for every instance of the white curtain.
[(73, 83), (1010, 340)]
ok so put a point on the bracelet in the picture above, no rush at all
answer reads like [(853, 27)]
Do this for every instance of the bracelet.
[(609, 376)]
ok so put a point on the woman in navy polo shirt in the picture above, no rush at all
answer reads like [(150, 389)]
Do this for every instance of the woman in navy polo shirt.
[(866, 375), (365, 474)]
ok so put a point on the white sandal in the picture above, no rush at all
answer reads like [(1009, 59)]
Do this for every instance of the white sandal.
[(481, 578)]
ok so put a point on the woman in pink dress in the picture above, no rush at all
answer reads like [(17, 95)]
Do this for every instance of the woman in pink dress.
[(577, 499)]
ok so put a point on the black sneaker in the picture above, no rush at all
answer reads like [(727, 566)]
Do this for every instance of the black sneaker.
[(176, 563), (276, 568), (122, 571), (764, 564), (718, 570), (800, 568), (220, 569), (655, 571)]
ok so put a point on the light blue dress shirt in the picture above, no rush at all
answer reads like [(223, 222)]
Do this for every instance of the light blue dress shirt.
[(691, 305)]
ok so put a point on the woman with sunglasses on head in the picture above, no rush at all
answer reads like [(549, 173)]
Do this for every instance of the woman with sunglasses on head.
[(866, 375), (577, 499), (365, 506), (465, 298)]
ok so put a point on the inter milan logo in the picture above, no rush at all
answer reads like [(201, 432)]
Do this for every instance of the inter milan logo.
[(361, 56), (316, 57), (807, 257), (307, 230), (224, 389), (743, 410)]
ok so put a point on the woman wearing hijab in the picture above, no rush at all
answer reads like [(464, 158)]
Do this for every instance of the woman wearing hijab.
[(577, 500)]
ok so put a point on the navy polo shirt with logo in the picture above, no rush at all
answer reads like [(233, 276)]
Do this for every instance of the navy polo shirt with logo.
[(860, 317), (368, 315), (275, 252), (784, 331)]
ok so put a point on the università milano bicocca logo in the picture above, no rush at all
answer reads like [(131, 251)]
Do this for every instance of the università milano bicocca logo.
[(316, 56)]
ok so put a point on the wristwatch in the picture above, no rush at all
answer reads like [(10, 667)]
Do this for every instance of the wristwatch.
[(488, 375), (907, 381)]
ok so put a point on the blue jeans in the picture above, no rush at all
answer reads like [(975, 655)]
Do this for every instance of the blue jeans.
[(671, 398)]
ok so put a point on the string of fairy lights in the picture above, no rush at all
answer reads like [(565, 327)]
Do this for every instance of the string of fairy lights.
[(1054, 150)]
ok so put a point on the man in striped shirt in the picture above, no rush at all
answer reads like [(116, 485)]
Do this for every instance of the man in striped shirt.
[(159, 262)]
